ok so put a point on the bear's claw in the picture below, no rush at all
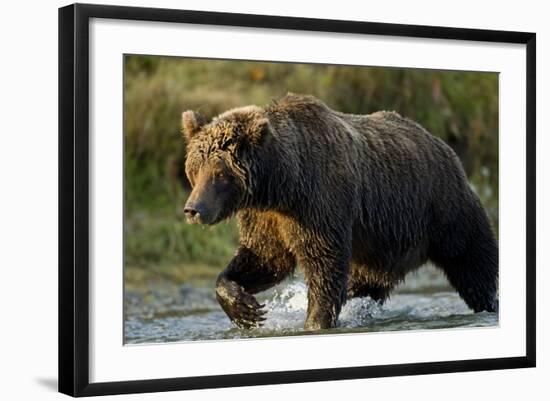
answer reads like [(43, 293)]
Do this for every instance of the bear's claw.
[(241, 307)]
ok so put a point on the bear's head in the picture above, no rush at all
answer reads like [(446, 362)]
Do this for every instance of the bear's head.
[(218, 163)]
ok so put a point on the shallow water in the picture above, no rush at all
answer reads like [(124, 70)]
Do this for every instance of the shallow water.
[(168, 314)]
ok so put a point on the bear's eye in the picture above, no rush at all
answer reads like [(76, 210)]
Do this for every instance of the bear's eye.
[(221, 177)]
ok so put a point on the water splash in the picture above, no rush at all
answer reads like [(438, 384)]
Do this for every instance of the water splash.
[(287, 310)]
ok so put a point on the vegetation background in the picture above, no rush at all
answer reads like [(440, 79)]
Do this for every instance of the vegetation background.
[(459, 107)]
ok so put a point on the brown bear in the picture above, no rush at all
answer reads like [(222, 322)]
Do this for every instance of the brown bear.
[(357, 201)]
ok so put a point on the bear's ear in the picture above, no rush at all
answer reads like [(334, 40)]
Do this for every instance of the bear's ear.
[(257, 130), (191, 123)]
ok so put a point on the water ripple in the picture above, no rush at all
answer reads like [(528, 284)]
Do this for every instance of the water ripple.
[(193, 314)]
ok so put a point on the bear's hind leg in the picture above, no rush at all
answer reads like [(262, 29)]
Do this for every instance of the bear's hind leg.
[(366, 282), (378, 292), (469, 258), (475, 282)]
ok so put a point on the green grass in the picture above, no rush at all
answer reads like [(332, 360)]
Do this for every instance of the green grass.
[(155, 236)]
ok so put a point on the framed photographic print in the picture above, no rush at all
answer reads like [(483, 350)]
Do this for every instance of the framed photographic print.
[(249, 199)]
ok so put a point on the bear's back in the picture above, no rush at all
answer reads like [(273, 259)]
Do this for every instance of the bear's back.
[(381, 131)]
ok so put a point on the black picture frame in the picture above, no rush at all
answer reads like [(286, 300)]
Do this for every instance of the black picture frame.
[(74, 198)]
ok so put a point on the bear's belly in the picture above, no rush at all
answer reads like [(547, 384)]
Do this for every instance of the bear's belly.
[(391, 257)]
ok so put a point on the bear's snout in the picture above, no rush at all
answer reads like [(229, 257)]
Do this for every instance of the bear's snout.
[(193, 212)]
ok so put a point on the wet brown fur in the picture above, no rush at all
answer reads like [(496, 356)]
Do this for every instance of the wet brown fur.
[(357, 201)]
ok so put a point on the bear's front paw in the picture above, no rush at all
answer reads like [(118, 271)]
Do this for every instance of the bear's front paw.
[(241, 307)]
